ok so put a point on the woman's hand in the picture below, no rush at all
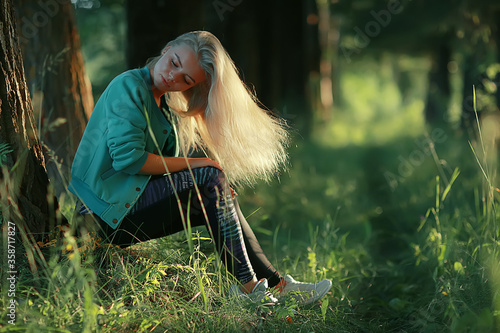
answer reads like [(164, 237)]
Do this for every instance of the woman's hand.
[(206, 162), (203, 162), (158, 165)]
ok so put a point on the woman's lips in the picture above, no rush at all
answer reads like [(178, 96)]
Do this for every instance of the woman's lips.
[(165, 82)]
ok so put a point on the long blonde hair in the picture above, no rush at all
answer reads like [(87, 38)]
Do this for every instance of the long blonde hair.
[(222, 116)]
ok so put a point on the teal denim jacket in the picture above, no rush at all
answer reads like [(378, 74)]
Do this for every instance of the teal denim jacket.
[(125, 125)]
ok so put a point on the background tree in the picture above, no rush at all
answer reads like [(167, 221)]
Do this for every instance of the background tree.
[(25, 195), (55, 73), (439, 91)]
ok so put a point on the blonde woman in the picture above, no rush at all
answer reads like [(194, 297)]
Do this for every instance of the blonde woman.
[(133, 174)]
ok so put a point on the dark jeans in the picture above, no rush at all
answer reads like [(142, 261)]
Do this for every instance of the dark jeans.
[(157, 213)]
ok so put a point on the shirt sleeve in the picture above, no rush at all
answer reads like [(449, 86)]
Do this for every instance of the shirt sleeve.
[(127, 124)]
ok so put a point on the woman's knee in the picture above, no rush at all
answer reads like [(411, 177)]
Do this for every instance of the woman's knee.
[(210, 176), (211, 184)]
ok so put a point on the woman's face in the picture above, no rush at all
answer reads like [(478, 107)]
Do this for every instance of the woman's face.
[(177, 70)]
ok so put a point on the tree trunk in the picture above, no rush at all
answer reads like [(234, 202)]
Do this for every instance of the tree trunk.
[(328, 26), (24, 181), (60, 89), (294, 63), (438, 95)]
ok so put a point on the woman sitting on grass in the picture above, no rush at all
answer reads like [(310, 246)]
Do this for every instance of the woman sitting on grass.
[(132, 173)]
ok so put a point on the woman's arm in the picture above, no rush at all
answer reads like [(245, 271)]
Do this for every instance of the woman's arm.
[(155, 164)]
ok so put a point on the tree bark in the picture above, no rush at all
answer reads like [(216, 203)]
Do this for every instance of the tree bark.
[(24, 181), (60, 89)]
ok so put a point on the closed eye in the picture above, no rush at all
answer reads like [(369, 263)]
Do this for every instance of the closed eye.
[(187, 77)]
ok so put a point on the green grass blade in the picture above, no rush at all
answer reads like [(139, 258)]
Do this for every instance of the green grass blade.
[(437, 193), (454, 176), (479, 163)]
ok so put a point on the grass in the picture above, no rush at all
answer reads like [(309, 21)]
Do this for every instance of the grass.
[(422, 256)]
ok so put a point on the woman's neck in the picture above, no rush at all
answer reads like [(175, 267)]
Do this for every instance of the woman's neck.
[(156, 93), (157, 98)]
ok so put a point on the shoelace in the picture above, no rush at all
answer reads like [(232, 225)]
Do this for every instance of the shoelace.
[(271, 299)]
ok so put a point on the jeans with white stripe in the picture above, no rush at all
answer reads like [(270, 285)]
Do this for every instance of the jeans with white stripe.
[(158, 213)]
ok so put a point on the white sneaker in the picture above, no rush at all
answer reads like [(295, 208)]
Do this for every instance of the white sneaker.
[(258, 295), (304, 293)]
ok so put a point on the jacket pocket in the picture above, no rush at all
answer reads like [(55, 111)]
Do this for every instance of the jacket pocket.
[(108, 174)]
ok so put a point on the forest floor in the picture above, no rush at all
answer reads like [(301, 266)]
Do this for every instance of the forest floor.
[(407, 231)]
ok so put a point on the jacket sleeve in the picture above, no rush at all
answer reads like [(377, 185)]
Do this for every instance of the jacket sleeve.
[(126, 138)]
